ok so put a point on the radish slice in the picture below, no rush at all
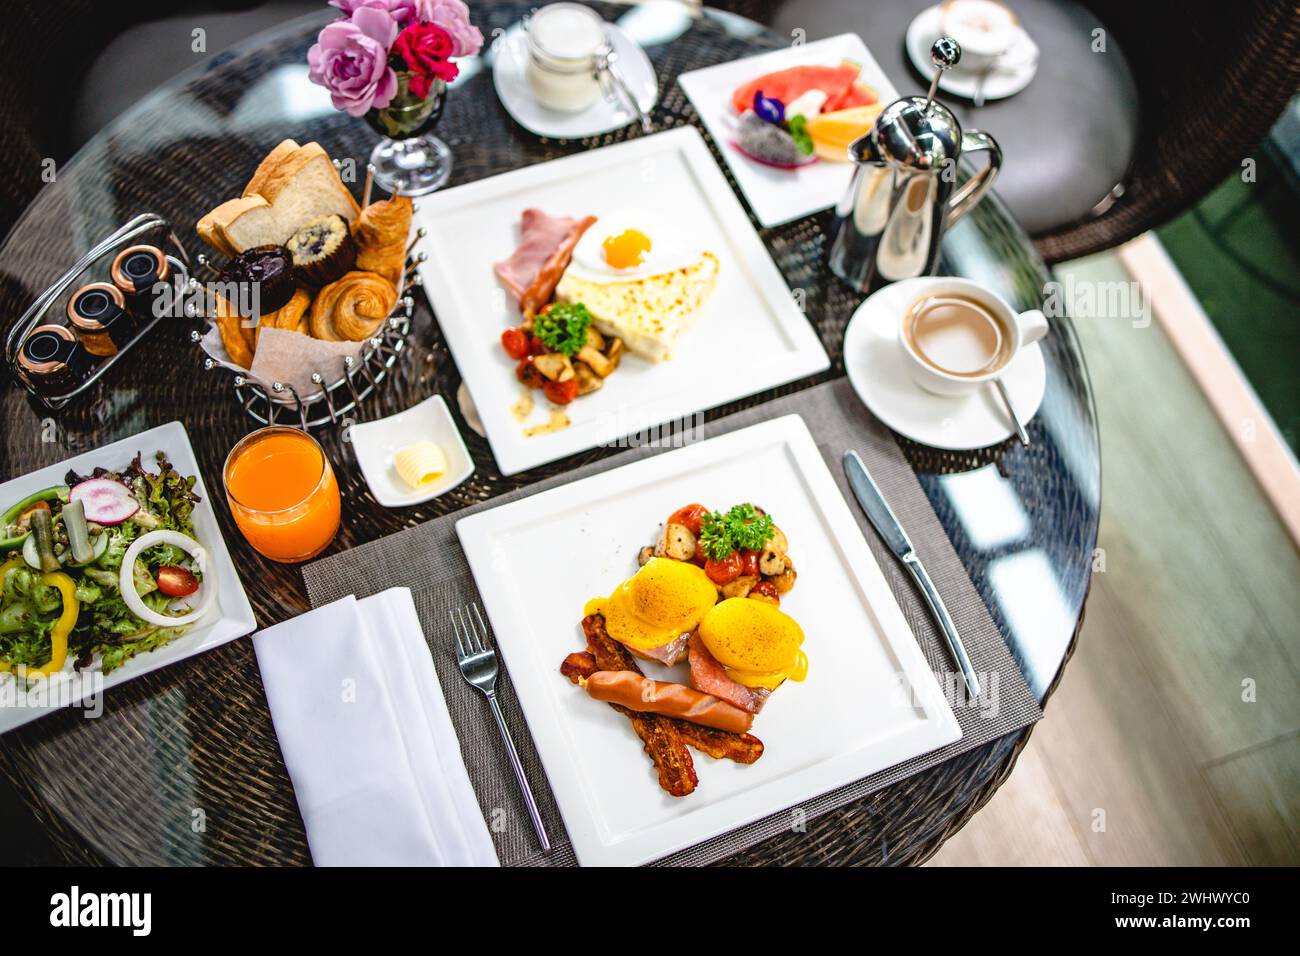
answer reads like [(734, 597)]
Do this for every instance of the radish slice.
[(126, 579), (106, 502)]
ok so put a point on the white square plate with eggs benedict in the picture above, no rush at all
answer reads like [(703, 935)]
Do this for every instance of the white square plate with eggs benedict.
[(695, 308), (866, 699)]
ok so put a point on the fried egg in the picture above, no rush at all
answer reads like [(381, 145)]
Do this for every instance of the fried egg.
[(630, 244)]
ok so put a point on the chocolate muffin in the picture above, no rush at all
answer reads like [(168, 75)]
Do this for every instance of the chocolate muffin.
[(323, 250), (270, 269)]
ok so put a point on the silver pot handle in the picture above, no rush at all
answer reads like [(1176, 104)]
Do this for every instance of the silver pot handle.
[(964, 199)]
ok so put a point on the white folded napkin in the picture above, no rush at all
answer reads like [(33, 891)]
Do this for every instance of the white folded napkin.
[(365, 734)]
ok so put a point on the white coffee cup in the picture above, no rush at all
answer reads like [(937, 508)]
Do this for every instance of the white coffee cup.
[(1013, 332), (984, 29)]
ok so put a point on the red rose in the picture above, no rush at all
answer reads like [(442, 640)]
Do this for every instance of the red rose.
[(426, 47)]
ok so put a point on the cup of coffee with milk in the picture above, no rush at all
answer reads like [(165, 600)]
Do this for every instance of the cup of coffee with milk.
[(958, 336), (985, 29)]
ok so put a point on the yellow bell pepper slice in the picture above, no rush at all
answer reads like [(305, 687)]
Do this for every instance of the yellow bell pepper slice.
[(62, 627), (14, 562)]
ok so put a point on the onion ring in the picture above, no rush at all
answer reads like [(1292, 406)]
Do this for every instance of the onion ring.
[(126, 578)]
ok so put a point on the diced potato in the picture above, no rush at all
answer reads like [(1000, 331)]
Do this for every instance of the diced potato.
[(594, 339), (588, 381), (644, 555), (770, 562), (778, 541), (614, 350), (598, 362), (785, 580), (555, 366), (676, 541), (739, 587)]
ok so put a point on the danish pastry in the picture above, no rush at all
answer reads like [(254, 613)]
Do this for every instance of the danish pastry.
[(352, 308)]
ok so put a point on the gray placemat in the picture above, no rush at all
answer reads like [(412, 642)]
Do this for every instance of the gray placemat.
[(428, 559)]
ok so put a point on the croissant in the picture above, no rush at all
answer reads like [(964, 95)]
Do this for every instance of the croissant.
[(380, 234), (230, 324), (289, 316), (351, 308)]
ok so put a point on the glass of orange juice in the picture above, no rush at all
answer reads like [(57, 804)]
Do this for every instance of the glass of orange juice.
[(282, 493)]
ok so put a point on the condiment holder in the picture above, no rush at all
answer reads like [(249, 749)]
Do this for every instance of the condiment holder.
[(57, 358)]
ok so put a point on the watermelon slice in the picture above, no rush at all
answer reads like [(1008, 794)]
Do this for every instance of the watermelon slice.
[(789, 84)]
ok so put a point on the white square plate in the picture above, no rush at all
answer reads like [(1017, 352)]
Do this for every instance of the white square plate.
[(870, 700), (377, 443), (780, 195), (230, 617), (750, 337)]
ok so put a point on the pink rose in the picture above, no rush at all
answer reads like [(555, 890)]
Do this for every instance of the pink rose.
[(400, 10), (452, 16), (350, 59)]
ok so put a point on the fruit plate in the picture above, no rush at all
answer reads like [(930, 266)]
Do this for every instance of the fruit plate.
[(869, 702), (230, 617), (749, 336), (780, 195)]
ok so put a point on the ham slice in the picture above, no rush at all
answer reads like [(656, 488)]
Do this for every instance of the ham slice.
[(708, 676), (545, 245), (667, 654)]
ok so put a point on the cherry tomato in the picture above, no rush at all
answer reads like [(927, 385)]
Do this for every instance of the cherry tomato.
[(749, 562), (724, 571), (536, 346), (515, 342), (529, 374), (176, 581), (691, 516), (561, 393), (766, 590)]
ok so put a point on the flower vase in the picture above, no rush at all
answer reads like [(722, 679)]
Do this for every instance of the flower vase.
[(409, 159)]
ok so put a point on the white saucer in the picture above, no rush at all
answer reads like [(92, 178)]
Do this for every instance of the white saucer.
[(376, 443), (874, 361), (509, 61), (1013, 72)]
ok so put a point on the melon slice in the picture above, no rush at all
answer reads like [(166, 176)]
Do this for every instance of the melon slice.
[(833, 132)]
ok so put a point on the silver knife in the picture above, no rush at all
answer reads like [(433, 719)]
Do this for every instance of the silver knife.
[(885, 522)]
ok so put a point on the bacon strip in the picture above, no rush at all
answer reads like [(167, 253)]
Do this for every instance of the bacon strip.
[(541, 289), (663, 742)]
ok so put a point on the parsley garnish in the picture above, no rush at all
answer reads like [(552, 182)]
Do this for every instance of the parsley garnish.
[(798, 129), (563, 328), (740, 529)]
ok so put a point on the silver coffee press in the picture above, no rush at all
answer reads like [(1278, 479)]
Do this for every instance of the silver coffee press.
[(903, 193)]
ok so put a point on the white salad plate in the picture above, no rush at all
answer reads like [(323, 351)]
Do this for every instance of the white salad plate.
[(509, 76), (1012, 72), (780, 195), (876, 368), (750, 335), (230, 617), (377, 443), (869, 702)]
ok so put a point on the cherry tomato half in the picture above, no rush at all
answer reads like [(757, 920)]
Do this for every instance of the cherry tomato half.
[(691, 516), (529, 374), (749, 562), (724, 571), (176, 581), (766, 590), (515, 342), (561, 393)]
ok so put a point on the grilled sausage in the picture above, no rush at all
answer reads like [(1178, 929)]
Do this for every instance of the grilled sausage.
[(671, 700)]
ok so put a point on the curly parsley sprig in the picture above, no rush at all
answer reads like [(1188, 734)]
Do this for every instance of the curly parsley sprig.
[(742, 528), (563, 327)]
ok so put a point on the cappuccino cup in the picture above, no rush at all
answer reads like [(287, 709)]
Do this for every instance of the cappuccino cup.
[(957, 336), (984, 29)]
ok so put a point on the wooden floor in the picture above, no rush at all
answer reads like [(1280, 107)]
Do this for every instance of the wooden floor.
[(1174, 737)]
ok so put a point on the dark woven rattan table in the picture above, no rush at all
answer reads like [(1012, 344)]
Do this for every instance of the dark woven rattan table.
[(216, 790)]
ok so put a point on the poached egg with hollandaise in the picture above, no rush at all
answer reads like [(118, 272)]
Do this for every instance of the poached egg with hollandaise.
[(758, 644), (651, 611)]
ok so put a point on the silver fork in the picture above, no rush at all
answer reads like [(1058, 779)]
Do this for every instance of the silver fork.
[(478, 665)]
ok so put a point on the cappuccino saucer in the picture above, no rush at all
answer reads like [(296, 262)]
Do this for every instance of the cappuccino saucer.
[(1012, 73), (874, 361)]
